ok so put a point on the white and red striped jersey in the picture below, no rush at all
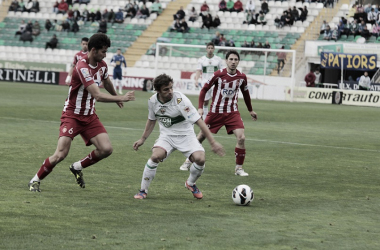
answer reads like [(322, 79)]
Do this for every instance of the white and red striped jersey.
[(79, 56), (79, 100), (226, 90)]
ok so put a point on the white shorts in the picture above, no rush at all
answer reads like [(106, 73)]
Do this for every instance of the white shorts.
[(186, 144)]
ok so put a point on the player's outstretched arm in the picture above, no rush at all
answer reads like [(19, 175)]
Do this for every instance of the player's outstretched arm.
[(216, 147), (149, 126), (68, 78), (197, 75), (103, 97)]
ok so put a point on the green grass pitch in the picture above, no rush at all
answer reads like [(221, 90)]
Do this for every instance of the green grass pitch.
[(314, 170)]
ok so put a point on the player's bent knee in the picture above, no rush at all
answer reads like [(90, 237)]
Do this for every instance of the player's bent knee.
[(107, 151), (157, 158), (198, 158)]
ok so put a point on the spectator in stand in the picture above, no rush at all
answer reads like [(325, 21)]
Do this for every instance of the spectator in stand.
[(261, 19), (29, 27), (238, 6), (354, 28), (28, 6), (230, 5), (14, 6), (245, 45), (216, 22), (351, 11), (180, 14), (176, 26), (365, 33), (295, 14), (91, 16), (98, 16), (105, 14), (252, 44), (281, 58), (21, 6), (131, 12), (361, 27), (48, 25), (375, 30), (230, 43), (207, 21), (204, 7), (21, 28), (323, 27), (259, 46), (359, 8), (250, 6), (289, 20), (365, 82), (35, 6), (222, 40), (216, 39), (184, 27), (75, 27), (70, 13), (266, 45), (372, 16), (248, 17), (26, 36), (55, 7), (193, 15), (128, 6), (304, 13), (367, 8), (136, 6), (85, 17), (36, 30), (222, 5), (264, 7), (310, 79), (144, 12), (102, 26), (119, 17), (277, 22), (65, 26), (327, 34), (63, 7), (76, 14), (156, 7), (53, 43), (56, 26), (318, 79), (335, 34)]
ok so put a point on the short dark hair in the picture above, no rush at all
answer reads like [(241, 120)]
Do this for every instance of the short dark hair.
[(210, 44), (84, 39), (161, 80), (98, 41), (232, 52)]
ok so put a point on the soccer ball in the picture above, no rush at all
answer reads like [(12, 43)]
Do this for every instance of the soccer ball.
[(242, 195)]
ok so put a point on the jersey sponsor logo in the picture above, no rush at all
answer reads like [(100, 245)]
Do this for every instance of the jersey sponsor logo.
[(166, 121), (85, 72), (179, 100), (191, 115), (88, 79), (228, 92)]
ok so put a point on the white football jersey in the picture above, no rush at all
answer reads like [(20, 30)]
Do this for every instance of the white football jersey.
[(208, 66), (175, 117)]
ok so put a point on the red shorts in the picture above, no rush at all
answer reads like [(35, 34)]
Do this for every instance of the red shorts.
[(231, 121), (87, 126)]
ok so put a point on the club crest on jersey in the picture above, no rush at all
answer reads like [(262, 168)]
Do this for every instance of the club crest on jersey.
[(179, 100), (166, 121), (162, 110), (100, 71), (85, 72)]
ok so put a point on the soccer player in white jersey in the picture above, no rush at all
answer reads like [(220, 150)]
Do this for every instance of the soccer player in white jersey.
[(77, 57), (224, 109), (176, 116), (78, 116), (207, 65)]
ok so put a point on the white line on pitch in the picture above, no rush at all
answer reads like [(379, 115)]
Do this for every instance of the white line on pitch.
[(217, 136)]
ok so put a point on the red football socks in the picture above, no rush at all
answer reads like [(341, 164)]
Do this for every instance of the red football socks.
[(240, 156), (45, 169), (89, 160)]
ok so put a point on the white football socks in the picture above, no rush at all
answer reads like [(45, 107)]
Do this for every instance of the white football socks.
[(35, 178), (195, 172), (148, 175)]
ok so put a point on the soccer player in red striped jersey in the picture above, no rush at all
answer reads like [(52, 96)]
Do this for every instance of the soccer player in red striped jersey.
[(78, 116), (224, 108), (77, 57)]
